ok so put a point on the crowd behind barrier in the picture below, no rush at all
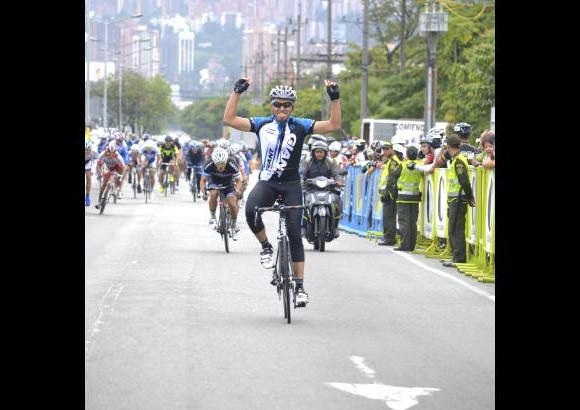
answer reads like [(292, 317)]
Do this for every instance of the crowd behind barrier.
[(362, 215)]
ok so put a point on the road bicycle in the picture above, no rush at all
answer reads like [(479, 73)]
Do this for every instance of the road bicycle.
[(147, 183), (133, 175), (168, 182), (283, 270), (195, 171), (111, 190), (224, 220)]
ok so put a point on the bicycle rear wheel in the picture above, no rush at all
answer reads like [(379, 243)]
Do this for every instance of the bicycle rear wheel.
[(193, 187), (284, 270), (224, 227)]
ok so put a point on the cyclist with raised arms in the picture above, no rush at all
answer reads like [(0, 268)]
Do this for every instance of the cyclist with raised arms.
[(281, 137), (220, 170)]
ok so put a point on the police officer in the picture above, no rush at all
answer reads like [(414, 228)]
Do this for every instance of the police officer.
[(408, 199), (388, 194), (459, 195)]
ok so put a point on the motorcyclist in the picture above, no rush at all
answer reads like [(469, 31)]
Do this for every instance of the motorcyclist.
[(318, 164)]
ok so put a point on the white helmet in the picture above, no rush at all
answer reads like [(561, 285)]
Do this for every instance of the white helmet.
[(219, 155), (335, 146), (149, 144), (223, 143), (234, 149), (283, 92)]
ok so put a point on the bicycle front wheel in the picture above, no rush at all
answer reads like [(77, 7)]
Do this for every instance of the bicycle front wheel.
[(284, 269), (224, 227), (104, 200)]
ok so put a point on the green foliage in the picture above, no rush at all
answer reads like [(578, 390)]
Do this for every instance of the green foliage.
[(465, 65), (204, 118)]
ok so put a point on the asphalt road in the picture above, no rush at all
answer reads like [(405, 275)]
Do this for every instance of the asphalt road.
[(173, 322)]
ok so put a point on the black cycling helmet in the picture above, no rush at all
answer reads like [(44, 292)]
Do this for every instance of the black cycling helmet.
[(168, 138), (462, 129), (434, 137), (360, 144)]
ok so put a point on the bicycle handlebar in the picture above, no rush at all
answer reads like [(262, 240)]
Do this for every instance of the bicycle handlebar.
[(277, 207)]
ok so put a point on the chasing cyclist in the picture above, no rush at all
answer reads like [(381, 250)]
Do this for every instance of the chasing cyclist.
[(149, 160), (168, 152), (113, 163), (220, 170)]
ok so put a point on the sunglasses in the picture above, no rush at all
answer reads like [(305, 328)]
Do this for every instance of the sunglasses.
[(284, 104)]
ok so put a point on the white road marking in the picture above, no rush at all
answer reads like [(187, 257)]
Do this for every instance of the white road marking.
[(396, 398), (359, 363), (105, 307), (445, 275)]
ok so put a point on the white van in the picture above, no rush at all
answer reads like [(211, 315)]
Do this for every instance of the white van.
[(405, 132)]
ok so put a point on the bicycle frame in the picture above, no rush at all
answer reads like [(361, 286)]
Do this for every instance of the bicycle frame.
[(283, 268), (110, 189), (193, 181), (147, 182), (169, 169), (134, 173), (224, 223)]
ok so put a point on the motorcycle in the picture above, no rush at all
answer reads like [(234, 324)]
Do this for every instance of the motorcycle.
[(321, 199)]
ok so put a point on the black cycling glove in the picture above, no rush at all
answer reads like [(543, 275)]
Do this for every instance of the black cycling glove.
[(333, 91), (241, 85)]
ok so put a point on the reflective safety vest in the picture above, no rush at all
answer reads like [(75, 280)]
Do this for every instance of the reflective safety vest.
[(453, 185), (408, 184), (385, 173)]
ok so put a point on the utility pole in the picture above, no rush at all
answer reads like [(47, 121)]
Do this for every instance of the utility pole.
[(365, 62), (329, 42), (286, 54), (88, 55), (278, 54), (106, 75), (120, 94), (402, 59), (298, 48)]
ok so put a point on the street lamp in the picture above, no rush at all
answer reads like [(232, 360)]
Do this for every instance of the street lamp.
[(107, 22), (431, 23)]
